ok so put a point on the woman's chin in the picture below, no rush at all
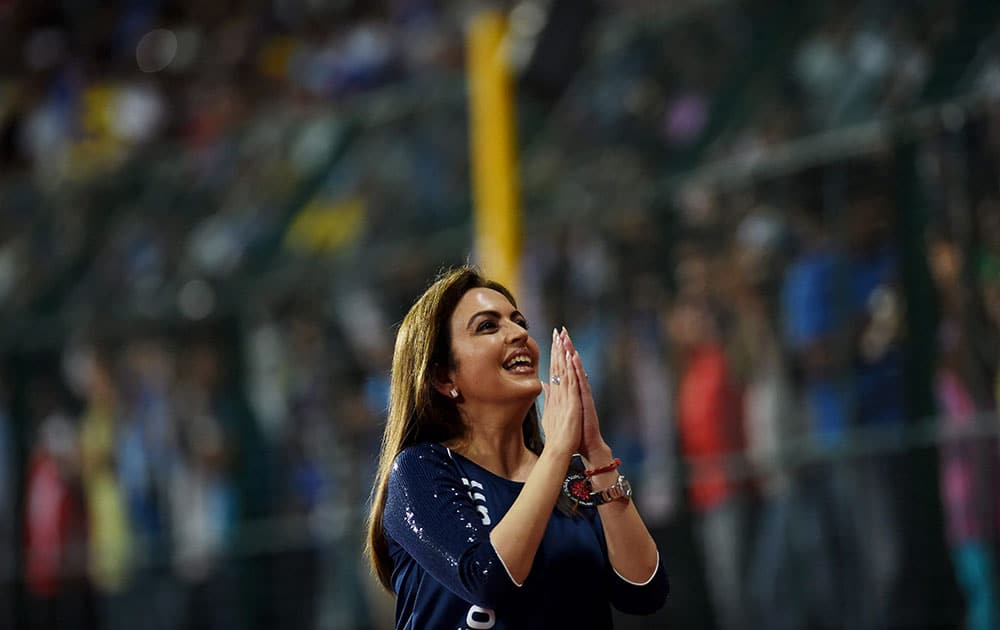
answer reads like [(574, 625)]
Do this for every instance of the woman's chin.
[(535, 388), (526, 385)]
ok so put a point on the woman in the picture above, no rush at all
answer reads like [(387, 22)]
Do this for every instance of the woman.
[(470, 524)]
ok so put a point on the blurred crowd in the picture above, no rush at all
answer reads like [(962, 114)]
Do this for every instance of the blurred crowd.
[(87, 83), (205, 243), (146, 144), (156, 486)]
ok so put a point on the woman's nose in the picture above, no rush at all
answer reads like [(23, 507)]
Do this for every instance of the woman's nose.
[(516, 333)]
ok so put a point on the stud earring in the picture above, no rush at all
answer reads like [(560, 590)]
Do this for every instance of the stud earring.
[(454, 393)]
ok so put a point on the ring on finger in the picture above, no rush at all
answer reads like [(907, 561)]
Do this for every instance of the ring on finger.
[(555, 380)]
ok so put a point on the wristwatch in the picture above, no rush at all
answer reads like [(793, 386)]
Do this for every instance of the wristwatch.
[(620, 490), (577, 487)]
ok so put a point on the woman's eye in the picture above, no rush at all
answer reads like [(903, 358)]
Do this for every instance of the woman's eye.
[(486, 325), (490, 324)]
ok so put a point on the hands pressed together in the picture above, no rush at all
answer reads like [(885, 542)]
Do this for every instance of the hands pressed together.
[(570, 416), (570, 424)]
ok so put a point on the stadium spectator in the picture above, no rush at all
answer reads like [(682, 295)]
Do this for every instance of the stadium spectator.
[(813, 325), (55, 527), (108, 529), (968, 463), (878, 396), (146, 454), (710, 433), (789, 581), (203, 496)]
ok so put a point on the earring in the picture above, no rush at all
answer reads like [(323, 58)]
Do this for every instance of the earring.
[(454, 393)]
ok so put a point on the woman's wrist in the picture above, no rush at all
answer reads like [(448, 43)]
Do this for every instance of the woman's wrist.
[(557, 453), (597, 457)]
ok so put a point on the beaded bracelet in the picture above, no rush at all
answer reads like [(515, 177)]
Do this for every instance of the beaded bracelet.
[(603, 469)]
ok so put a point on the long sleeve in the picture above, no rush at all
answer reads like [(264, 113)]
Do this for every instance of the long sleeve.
[(630, 597), (639, 599), (430, 513)]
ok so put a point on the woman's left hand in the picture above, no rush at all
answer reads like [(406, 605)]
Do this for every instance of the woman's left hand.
[(592, 444)]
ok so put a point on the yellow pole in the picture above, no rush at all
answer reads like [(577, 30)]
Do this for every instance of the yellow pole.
[(493, 140)]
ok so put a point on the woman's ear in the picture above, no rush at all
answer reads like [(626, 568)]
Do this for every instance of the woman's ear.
[(441, 381)]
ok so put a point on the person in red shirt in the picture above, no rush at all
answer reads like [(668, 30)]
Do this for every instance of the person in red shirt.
[(710, 429), (55, 531)]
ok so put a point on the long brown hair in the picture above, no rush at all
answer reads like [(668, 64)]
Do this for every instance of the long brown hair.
[(417, 412)]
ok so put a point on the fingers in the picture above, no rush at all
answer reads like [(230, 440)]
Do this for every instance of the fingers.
[(582, 375), (568, 342), (571, 379), (569, 354), (577, 362), (579, 380), (561, 367), (562, 418), (554, 394), (557, 363), (564, 334)]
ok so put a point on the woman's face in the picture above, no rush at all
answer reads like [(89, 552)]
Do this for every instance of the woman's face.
[(495, 358)]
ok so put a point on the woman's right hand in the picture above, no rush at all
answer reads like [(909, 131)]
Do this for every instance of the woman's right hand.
[(562, 418), (517, 535)]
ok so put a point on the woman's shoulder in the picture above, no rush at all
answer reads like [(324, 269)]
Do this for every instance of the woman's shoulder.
[(422, 456), (424, 449)]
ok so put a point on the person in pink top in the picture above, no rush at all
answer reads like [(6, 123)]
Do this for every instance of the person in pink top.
[(968, 463)]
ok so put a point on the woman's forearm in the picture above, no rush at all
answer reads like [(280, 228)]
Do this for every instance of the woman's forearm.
[(517, 536), (631, 549)]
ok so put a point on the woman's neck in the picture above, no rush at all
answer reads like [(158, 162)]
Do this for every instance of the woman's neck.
[(496, 444)]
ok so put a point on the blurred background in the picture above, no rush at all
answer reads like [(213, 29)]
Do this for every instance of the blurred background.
[(773, 227)]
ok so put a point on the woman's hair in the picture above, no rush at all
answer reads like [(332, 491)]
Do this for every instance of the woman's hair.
[(418, 412)]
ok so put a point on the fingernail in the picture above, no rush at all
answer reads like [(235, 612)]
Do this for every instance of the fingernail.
[(569, 357)]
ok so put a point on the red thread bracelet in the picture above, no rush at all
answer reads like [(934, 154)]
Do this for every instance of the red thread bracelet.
[(603, 469)]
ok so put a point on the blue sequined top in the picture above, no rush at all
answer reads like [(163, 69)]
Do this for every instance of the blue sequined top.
[(446, 574)]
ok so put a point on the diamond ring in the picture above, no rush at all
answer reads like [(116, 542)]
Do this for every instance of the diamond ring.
[(555, 380)]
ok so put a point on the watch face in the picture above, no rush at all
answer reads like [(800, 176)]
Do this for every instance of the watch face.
[(577, 488)]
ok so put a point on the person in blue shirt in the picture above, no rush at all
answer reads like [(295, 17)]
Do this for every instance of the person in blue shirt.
[(476, 523)]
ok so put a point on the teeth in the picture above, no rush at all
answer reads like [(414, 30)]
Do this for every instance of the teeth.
[(519, 360)]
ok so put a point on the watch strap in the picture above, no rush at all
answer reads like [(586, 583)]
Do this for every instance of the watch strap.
[(621, 490)]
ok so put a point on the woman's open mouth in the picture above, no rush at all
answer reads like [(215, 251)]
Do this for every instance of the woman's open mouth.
[(520, 363)]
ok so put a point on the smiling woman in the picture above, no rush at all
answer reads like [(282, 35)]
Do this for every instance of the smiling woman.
[(492, 355), (471, 525)]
